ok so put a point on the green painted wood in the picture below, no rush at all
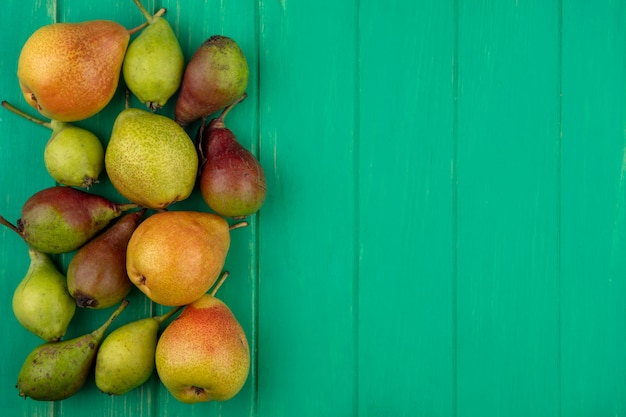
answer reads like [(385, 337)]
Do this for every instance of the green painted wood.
[(508, 209), (23, 173), (593, 279), (444, 228), (406, 218), (307, 240)]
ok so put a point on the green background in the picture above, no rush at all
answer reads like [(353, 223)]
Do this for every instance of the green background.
[(445, 227)]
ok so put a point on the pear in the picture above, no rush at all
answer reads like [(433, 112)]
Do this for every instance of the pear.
[(216, 75), (125, 359), (54, 371), (232, 180), (73, 156), (154, 62), (203, 354), (96, 275), (61, 219), (150, 159), (174, 257), (70, 71), (41, 302)]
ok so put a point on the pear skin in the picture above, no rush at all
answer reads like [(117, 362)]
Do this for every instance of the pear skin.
[(73, 156), (174, 257), (70, 71), (55, 371), (203, 354), (154, 62), (215, 76), (150, 159), (232, 181), (96, 275), (41, 302), (125, 359), (61, 219)]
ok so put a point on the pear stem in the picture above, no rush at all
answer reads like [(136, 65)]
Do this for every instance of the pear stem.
[(126, 207), (219, 122), (160, 319), (10, 225), (144, 12), (19, 112), (159, 13), (99, 332), (219, 283), (238, 225)]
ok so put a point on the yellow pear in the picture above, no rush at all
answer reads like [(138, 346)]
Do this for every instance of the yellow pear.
[(70, 71), (203, 354), (150, 159), (174, 257)]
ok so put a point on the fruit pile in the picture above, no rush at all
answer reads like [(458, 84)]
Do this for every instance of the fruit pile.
[(70, 72)]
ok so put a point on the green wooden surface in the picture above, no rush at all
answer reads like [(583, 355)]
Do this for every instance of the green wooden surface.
[(445, 227)]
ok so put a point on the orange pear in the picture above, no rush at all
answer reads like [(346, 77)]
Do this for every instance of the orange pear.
[(70, 71), (174, 257), (203, 355)]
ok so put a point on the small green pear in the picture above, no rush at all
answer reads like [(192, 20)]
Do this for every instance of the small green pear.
[(125, 359), (73, 156), (150, 159), (41, 302), (154, 62), (54, 371)]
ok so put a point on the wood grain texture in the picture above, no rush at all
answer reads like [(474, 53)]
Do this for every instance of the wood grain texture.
[(508, 209), (306, 245), (406, 191), (593, 279)]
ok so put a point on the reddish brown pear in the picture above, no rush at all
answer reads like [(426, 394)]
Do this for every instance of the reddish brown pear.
[(96, 275), (61, 219), (216, 76), (232, 181)]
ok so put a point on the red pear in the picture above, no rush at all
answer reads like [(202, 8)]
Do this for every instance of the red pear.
[(232, 181)]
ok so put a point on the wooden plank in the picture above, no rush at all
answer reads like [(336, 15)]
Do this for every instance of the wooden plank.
[(22, 173), (508, 208), (89, 400), (593, 273), (194, 22), (306, 343), (406, 288)]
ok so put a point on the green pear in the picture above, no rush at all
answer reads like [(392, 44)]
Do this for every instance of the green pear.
[(150, 159), (41, 302), (57, 370), (73, 156), (154, 62), (125, 359), (203, 354), (61, 219)]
